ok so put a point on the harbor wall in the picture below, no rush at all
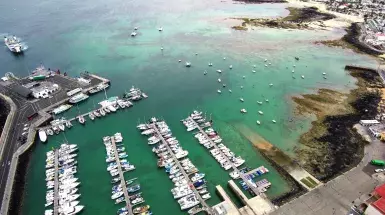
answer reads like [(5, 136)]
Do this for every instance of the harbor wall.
[(11, 195), (8, 122)]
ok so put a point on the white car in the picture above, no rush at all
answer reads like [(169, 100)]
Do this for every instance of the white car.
[(378, 170)]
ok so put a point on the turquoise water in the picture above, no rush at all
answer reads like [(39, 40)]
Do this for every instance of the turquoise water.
[(94, 36)]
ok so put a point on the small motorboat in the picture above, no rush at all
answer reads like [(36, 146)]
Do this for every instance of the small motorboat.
[(133, 34), (219, 91), (210, 64), (219, 71), (273, 121), (81, 120), (302, 76), (136, 28), (243, 110), (231, 66), (230, 91), (219, 80), (160, 29), (260, 112), (241, 99), (254, 71), (258, 122), (188, 64), (141, 209), (270, 85)]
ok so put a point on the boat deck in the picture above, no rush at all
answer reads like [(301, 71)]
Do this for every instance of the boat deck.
[(206, 207), (122, 181), (56, 186)]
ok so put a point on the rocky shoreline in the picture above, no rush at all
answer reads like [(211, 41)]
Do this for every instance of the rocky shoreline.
[(332, 145), (351, 41), (262, 1), (299, 18), (4, 111)]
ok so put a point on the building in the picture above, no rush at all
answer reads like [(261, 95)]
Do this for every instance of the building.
[(43, 92), (369, 122), (376, 203)]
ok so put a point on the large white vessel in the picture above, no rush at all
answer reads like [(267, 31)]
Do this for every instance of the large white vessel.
[(78, 98), (61, 108), (42, 136), (99, 88), (13, 43)]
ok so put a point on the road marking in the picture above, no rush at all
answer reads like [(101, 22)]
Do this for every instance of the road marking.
[(10, 147)]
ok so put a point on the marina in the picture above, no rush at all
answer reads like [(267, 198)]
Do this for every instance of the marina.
[(61, 182), (190, 190), (109, 105), (221, 153), (117, 166)]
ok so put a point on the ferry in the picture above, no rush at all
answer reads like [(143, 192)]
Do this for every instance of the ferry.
[(61, 108), (78, 98), (14, 45)]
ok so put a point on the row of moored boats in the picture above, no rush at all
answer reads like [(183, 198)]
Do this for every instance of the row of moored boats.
[(116, 159), (62, 170), (211, 140), (173, 158)]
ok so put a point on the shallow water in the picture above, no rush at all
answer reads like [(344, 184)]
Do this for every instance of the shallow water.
[(94, 36)]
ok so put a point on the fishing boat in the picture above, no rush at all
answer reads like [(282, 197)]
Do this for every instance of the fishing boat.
[(160, 29), (188, 64), (141, 209), (42, 136)]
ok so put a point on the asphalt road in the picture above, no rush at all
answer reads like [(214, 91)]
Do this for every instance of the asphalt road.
[(24, 109)]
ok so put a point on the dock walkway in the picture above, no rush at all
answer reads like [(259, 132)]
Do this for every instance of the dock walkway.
[(263, 198), (56, 186), (254, 189), (202, 201), (122, 181)]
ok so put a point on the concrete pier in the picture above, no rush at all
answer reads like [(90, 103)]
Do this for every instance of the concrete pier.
[(122, 180), (227, 206), (256, 205), (202, 201), (56, 186)]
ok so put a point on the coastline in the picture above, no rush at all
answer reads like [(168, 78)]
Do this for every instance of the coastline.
[(332, 146)]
